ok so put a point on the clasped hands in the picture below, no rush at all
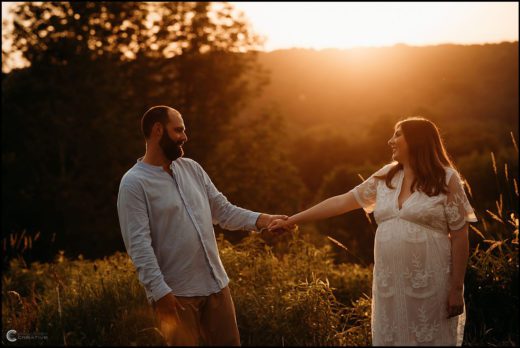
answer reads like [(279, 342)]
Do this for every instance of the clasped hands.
[(274, 223)]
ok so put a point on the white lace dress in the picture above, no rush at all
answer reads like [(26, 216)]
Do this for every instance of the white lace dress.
[(412, 256)]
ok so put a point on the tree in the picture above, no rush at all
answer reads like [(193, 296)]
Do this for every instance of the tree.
[(353, 229), (252, 168), (95, 67), (317, 151)]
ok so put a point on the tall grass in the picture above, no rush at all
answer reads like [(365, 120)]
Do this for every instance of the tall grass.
[(491, 284), (290, 295), (292, 299), (78, 302), (300, 298), (289, 300)]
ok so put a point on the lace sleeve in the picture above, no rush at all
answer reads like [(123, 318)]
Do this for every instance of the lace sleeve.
[(457, 207), (366, 192)]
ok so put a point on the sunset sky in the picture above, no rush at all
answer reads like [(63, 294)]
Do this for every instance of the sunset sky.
[(354, 24)]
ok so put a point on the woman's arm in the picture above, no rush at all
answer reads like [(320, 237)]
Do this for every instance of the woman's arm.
[(459, 258), (333, 206)]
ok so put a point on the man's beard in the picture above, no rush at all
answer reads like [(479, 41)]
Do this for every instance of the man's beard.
[(171, 149)]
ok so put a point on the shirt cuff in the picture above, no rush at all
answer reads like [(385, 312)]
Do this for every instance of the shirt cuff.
[(251, 222), (160, 291)]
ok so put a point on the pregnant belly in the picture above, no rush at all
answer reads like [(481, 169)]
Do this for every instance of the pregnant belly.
[(412, 256), (397, 231)]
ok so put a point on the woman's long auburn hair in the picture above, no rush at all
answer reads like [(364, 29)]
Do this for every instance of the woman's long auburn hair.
[(427, 154)]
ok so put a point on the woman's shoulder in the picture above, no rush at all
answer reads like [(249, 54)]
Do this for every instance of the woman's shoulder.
[(385, 169), (450, 171)]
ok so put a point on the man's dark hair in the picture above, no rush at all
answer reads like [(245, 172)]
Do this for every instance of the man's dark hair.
[(154, 114)]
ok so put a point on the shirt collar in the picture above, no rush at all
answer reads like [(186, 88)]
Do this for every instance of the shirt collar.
[(159, 169)]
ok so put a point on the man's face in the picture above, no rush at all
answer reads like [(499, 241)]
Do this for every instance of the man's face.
[(173, 137)]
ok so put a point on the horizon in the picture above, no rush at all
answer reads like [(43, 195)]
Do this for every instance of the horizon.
[(21, 65), (396, 45), (377, 25)]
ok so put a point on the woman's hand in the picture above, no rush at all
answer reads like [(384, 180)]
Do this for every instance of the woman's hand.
[(455, 305), (281, 224)]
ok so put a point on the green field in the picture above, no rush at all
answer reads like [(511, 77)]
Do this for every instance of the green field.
[(287, 292)]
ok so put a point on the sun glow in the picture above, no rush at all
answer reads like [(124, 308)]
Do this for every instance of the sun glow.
[(321, 25), (352, 24)]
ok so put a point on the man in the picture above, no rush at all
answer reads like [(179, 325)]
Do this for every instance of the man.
[(167, 206)]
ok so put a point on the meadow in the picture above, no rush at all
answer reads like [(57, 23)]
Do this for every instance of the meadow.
[(306, 123), (287, 291)]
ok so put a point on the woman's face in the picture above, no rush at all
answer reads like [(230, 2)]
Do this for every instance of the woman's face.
[(399, 146)]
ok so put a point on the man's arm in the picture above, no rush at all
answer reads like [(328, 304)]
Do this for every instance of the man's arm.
[(231, 217), (135, 228)]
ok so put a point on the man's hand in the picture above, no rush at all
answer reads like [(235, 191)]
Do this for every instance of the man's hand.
[(278, 224), (168, 305), (264, 220)]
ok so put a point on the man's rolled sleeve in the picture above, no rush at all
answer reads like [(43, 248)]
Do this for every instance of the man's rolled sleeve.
[(251, 225), (135, 228), (224, 213)]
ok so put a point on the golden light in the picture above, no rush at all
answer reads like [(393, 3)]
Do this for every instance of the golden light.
[(320, 25), (352, 24)]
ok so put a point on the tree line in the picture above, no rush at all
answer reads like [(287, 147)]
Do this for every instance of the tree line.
[(70, 125)]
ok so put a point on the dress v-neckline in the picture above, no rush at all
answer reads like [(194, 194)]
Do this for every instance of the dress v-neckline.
[(400, 186)]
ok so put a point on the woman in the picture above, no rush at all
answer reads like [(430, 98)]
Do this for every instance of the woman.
[(421, 245)]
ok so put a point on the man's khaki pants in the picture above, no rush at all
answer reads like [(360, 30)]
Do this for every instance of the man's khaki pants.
[(209, 320)]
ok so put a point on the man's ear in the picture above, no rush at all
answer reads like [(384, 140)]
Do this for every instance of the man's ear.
[(157, 129)]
